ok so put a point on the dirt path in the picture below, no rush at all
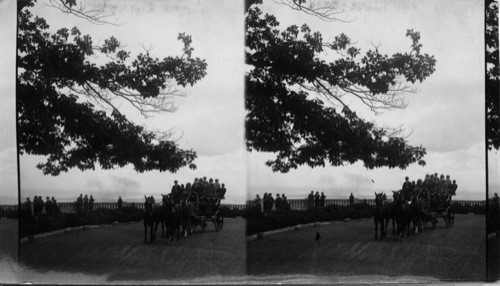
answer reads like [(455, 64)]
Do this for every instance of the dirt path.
[(118, 254), (345, 253), (349, 249)]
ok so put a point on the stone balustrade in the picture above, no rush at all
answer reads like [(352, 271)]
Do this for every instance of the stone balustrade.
[(295, 204)]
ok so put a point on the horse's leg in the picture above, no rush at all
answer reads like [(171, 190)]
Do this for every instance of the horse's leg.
[(187, 225), (157, 224), (170, 236), (417, 227), (145, 231), (153, 230), (180, 230), (376, 227), (385, 222), (156, 229), (395, 226), (190, 225), (179, 227), (162, 228), (151, 227), (175, 228), (408, 226), (168, 225)]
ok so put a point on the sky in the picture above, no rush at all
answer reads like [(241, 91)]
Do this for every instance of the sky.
[(446, 115)]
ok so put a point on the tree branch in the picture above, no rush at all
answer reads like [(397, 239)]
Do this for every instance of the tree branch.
[(97, 16), (326, 12)]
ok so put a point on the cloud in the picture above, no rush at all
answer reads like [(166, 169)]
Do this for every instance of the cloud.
[(326, 180), (123, 185), (94, 183), (467, 166)]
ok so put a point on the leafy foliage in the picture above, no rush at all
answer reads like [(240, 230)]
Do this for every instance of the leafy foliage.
[(492, 76), (295, 96), (63, 99)]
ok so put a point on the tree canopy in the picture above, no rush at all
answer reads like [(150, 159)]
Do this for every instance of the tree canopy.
[(296, 95), (492, 76), (66, 103)]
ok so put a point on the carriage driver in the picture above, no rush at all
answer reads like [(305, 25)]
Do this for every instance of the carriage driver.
[(176, 193), (406, 189)]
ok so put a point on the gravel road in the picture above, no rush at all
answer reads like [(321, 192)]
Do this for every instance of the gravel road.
[(349, 250), (118, 253)]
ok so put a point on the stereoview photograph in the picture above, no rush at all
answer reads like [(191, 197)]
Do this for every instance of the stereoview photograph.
[(249, 142)]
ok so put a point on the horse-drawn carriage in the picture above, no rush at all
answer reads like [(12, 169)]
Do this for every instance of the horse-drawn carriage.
[(403, 212), (419, 203), (440, 208), (209, 210)]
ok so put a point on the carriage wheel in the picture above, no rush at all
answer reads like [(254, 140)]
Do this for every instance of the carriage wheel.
[(451, 216), (219, 221)]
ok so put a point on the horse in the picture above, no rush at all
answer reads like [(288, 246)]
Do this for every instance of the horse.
[(176, 216), (419, 213), (188, 216), (378, 216), (169, 222), (424, 217), (384, 211), (389, 211), (151, 218), (403, 215)]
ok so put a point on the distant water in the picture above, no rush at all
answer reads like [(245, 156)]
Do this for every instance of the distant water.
[(358, 194), (109, 196)]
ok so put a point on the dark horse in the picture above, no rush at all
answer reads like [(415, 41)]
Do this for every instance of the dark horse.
[(175, 216), (151, 218), (419, 213), (378, 215), (390, 214), (169, 222), (403, 215), (420, 208), (384, 211)]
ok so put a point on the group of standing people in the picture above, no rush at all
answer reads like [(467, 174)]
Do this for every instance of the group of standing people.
[(316, 200), (433, 188), (37, 206), (84, 204), (281, 203)]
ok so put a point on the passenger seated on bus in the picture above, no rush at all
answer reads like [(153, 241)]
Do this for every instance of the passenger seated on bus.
[(406, 189)]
